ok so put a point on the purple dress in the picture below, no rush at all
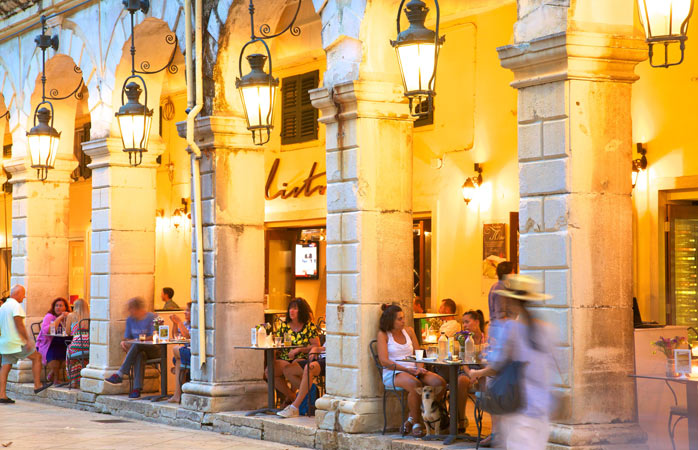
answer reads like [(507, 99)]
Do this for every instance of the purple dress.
[(43, 342)]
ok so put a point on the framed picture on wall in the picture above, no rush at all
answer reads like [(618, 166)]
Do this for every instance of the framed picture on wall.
[(494, 248)]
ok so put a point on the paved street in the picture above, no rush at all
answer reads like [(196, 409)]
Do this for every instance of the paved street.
[(28, 425)]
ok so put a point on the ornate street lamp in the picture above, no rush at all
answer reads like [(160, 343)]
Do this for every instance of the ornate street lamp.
[(639, 164), (472, 184), (258, 88), (43, 138), (665, 22), (133, 117), (417, 50)]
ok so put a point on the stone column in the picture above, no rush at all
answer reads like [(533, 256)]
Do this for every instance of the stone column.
[(369, 240), (39, 239), (232, 187), (574, 178), (122, 251)]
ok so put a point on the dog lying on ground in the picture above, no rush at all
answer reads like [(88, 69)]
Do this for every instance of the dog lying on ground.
[(433, 411)]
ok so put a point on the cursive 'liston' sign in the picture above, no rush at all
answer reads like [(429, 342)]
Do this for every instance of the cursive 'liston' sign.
[(306, 188)]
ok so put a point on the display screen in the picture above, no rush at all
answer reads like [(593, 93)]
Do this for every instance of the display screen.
[(307, 260)]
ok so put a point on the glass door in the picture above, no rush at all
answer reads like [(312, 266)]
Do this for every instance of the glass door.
[(682, 265)]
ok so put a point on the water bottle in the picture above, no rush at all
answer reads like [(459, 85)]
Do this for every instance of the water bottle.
[(261, 337), (469, 348), (253, 337), (443, 347), (53, 329)]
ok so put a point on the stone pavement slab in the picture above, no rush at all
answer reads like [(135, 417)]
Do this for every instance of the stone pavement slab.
[(30, 425)]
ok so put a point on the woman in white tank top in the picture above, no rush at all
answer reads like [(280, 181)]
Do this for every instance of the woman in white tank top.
[(397, 342)]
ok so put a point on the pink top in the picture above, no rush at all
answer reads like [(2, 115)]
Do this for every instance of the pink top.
[(43, 342)]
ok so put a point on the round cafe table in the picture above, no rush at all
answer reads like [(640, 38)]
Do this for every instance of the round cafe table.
[(163, 363)]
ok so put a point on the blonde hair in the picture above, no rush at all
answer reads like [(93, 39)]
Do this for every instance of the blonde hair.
[(81, 310)]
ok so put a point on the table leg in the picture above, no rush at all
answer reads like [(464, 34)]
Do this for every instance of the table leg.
[(163, 375), (692, 407), (453, 404), (271, 404)]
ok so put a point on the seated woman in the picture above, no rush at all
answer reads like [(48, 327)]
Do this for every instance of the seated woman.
[(474, 323), (304, 333), (139, 321), (181, 355), (312, 368), (53, 350), (80, 343), (396, 342)]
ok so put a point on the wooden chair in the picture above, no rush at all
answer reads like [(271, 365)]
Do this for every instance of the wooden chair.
[(398, 391)]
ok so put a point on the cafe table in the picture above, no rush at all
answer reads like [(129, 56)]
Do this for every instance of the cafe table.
[(163, 363), (419, 316), (269, 353), (691, 385), (68, 339), (452, 367)]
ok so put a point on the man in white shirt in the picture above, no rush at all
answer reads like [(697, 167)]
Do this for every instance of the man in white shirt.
[(450, 326), (15, 343)]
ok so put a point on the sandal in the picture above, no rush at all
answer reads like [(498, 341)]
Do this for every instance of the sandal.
[(407, 426), (418, 430)]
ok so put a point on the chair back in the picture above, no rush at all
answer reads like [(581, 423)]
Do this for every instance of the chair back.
[(36, 329), (373, 347), (84, 326)]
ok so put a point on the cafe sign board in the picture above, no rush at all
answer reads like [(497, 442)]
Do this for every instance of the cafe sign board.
[(309, 186)]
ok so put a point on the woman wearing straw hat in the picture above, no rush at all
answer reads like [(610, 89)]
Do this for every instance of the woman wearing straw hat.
[(529, 341)]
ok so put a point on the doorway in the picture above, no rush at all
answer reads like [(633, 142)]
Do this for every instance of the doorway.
[(295, 267)]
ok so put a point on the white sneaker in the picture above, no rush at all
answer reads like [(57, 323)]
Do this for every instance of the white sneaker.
[(288, 412)]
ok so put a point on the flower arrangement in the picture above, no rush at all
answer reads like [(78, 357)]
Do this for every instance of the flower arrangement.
[(461, 336), (157, 322), (668, 345)]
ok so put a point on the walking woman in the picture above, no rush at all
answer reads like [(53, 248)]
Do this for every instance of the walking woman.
[(529, 341), (396, 342), (80, 345)]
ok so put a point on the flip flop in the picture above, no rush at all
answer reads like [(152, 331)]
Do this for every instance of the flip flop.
[(8, 401), (44, 387)]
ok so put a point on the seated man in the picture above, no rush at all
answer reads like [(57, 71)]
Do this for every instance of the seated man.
[(315, 368), (167, 295), (181, 355), (450, 325), (139, 321)]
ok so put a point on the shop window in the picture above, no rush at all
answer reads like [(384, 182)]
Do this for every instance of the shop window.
[(682, 265), (421, 241), (81, 172), (298, 116)]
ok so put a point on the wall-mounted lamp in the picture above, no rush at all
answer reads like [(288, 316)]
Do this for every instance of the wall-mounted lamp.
[(179, 214), (472, 184), (639, 164)]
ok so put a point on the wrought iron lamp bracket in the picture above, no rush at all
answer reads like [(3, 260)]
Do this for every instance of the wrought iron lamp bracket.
[(171, 68), (265, 29)]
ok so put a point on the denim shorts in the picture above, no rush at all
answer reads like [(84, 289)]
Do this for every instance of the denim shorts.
[(388, 378), (12, 358)]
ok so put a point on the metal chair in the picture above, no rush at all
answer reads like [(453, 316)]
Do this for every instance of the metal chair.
[(675, 411), (154, 362), (36, 329), (398, 391), (82, 355)]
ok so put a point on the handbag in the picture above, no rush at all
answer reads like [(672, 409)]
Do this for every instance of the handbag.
[(504, 393)]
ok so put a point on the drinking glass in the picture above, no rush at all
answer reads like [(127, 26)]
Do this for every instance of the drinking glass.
[(141, 337), (432, 352), (287, 339), (419, 354), (277, 341)]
